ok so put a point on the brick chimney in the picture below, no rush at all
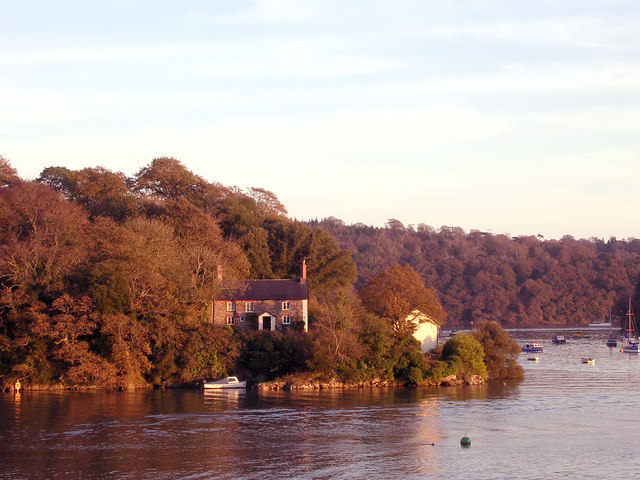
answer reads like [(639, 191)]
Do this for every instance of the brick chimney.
[(303, 271)]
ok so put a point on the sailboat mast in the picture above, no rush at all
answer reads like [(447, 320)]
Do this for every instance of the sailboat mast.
[(630, 326)]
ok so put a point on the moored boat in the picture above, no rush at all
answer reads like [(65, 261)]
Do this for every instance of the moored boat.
[(532, 347), (533, 359), (224, 383), (579, 335), (588, 360), (632, 345), (559, 339)]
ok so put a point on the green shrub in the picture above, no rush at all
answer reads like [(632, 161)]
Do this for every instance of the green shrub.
[(465, 353), (501, 352)]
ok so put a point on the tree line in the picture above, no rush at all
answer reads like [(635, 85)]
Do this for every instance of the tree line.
[(515, 281), (107, 281)]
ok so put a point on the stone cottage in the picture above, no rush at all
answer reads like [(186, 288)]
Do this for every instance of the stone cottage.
[(266, 304)]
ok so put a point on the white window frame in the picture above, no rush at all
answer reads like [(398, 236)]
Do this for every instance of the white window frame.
[(286, 320), (231, 307), (248, 307), (231, 321), (241, 318), (286, 305)]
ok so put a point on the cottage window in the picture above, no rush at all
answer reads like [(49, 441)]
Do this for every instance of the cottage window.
[(286, 305), (230, 321), (231, 307), (286, 320), (248, 307), (241, 318)]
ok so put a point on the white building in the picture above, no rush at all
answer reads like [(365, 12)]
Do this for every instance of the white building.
[(426, 330)]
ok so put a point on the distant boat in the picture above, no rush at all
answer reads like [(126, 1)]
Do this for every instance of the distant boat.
[(533, 359), (579, 335), (600, 324), (588, 360), (448, 333), (632, 345), (559, 339), (533, 347), (224, 383)]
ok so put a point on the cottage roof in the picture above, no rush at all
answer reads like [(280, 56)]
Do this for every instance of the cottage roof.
[(269, 290)]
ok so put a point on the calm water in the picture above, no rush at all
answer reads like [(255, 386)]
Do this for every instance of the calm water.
[(565, 419)]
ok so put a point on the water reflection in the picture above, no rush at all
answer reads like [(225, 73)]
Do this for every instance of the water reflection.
[(306, 434), (223, 399)]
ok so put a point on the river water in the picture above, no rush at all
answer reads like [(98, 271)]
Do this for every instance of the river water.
[(566, 419)]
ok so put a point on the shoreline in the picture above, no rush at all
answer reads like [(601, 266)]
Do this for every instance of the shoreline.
[(292, 385), (286, 384)]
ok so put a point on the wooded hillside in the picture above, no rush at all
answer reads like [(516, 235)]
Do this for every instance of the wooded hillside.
[(524, 281)]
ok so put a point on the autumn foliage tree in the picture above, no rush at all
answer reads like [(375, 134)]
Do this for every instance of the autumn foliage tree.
[(100, 191), (42, 241), (395, 292), (8, 174), (336, 331)]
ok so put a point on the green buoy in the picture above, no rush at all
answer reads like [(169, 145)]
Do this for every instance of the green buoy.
[(465, 441)]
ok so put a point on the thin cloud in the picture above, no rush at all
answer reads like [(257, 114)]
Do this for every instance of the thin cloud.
[(45, 57), (573, 78), (588, 32), (277, 11)]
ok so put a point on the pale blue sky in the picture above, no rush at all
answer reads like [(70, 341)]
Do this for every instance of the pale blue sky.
[(514, 117)]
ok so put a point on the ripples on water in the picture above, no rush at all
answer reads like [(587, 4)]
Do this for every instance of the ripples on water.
[(567, 419)]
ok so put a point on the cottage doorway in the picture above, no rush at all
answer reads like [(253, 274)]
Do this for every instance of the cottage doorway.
[(266, 322)]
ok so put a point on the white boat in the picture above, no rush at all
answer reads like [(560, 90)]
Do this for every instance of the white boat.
[(226, 382), (533, 359), (630, 333), (589, 360)]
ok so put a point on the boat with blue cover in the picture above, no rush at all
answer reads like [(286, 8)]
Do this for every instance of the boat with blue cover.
[(532, 347)]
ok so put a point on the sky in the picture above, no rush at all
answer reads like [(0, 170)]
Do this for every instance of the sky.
[(504, 116)]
